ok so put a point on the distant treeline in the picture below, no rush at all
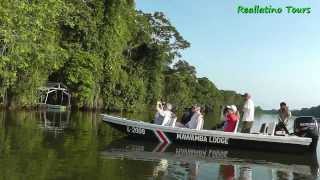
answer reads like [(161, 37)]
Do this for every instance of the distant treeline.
[(110, 55), (313, 111), (272, 111)]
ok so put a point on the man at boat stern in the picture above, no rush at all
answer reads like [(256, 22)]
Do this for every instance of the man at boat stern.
[(283, 117), (248, 113)]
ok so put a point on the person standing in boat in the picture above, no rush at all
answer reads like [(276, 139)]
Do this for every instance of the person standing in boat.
[(164, 116), (196, 121), (283, 116), (248, 114)]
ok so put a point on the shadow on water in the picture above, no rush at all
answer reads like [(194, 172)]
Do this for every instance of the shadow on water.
[(78, 145)]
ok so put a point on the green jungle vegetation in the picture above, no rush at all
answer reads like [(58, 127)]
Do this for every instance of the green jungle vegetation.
[(110, 56)]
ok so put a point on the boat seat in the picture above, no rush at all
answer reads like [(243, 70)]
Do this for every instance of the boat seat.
[(267, 128), (271, 128), (263, 128), (172, 122)]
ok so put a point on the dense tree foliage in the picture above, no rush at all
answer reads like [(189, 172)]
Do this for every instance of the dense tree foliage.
[(109, 54)]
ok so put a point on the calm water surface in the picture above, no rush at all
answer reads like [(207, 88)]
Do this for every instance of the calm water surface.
[(77, 145)]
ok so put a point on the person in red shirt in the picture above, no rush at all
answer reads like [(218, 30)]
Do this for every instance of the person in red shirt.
[(231, 121)]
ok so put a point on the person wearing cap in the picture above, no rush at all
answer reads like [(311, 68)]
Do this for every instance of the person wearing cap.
[(235, 111), (231, 119), (164, 115), (248, 114), (196, 121), (283, 116)]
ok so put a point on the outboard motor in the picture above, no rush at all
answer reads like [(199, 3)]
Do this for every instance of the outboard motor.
[(307, 126)]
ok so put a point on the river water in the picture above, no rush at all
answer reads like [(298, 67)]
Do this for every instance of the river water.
[(78, 145)]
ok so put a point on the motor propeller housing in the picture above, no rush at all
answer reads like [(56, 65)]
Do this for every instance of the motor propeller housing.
[(307, 126)]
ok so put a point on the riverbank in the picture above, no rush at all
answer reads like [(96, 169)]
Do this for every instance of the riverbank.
[(214, 104)]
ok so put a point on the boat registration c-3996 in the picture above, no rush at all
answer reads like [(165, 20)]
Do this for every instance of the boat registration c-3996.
[(136, 130)]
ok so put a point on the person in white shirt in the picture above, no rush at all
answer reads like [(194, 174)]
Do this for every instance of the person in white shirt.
[(164, 116), (158, 118), (196, 121), (248, 114)]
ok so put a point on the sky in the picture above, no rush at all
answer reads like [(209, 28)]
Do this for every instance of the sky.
[(273, 57)]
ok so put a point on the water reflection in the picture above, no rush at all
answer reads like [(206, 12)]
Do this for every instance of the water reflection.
[(199, 162), (30, 150), (45, 145), (227, 172), (245, 173), (54, 121)]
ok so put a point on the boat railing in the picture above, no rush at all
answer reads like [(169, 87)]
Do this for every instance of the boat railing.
[(236, 128)]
